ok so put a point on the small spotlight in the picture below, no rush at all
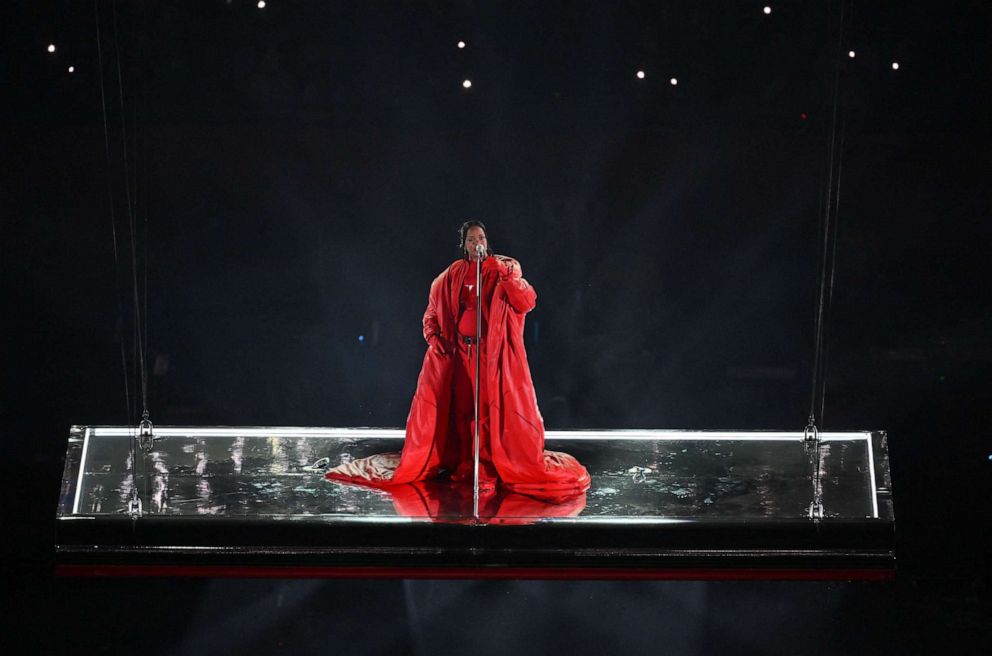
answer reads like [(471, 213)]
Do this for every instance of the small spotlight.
[(674, 81), (895, 66), (72, 69), (461, 44), (361, 338), (51, 47), (767, 10), (261, 4), (467, 84), (850, 53), (804, 116), (640, 75)]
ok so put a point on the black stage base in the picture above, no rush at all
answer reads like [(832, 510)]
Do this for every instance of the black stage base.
[(249, 502)]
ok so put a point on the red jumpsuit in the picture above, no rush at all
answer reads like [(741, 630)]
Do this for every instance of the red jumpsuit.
[(463, 385), (439, 426)]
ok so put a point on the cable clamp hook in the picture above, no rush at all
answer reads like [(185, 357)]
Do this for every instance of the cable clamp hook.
[(134, 507), (146, 435), (811, 435)]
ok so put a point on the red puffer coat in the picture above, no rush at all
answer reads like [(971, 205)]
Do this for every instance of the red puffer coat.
[(516, 428)]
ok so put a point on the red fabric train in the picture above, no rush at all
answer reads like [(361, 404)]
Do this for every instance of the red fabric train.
[(438, 439)]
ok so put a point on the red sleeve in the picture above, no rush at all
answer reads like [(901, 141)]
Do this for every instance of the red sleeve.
[(520, 294), (431, 326)]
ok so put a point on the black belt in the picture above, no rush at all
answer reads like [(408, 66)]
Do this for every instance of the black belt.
[(471, 340)]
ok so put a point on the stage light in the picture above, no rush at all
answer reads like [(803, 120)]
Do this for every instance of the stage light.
[(467, 84), (850, 53), (361, 338), (674, 81), (72, 69), (461, 44), (895, 66), (640, 75), (261, 4), (51, 47), (767, 10), (803, 116)]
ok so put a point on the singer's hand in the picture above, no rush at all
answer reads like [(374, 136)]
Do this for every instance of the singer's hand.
[(437, 343), (497, 265)]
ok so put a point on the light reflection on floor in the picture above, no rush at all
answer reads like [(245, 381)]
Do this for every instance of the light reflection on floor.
[(264, 475)]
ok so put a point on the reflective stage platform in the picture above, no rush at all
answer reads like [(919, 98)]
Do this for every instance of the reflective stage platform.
[(209, 501)]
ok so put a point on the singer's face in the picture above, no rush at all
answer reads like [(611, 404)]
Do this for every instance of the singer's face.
[(473, 238)]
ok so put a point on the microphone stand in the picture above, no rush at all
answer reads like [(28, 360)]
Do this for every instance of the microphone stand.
[(478, 347)]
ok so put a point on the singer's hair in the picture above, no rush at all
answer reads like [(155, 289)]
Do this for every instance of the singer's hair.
[(463, 235)]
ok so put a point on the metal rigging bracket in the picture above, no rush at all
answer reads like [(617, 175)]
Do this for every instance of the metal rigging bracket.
[(811, 441), (134, 506), (811, 435), (146, 436)]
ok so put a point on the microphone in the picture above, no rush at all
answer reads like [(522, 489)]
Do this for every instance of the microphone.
[(479, 250)]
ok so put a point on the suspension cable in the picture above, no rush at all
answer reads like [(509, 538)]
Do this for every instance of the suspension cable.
[(113, 217), (138, 332), (830, 285), (828, 260), (828, 244)]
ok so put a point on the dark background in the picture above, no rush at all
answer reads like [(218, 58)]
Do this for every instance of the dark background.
[(295, 176)]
